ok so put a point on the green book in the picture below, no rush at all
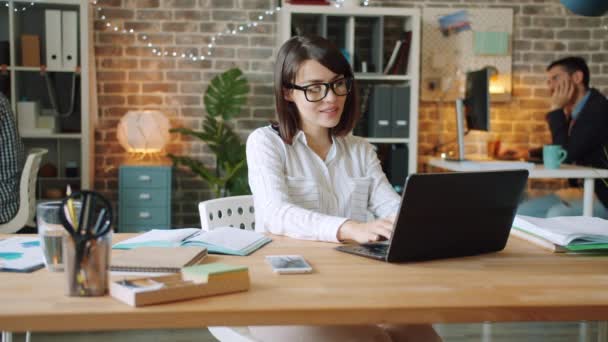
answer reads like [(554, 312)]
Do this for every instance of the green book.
[(201, 273)]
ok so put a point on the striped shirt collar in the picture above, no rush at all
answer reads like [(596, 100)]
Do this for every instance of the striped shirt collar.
[(331, 154)]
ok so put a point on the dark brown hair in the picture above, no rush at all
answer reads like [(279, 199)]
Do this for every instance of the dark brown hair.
[(291, 55), (572, 65)]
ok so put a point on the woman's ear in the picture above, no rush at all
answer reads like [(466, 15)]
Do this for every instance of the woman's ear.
[(288, 94)]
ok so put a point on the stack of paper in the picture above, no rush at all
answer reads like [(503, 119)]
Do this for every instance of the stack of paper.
[(222, 240), (563, 234), (20, 254)]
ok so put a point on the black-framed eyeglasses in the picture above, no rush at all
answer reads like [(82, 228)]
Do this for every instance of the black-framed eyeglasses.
[(317, 91)]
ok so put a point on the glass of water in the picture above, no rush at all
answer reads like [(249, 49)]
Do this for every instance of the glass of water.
[(51, 232)]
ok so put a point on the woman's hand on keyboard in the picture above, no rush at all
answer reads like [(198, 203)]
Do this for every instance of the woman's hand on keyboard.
[(363, 232)]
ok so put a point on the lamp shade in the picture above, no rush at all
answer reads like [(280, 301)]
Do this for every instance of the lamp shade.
[(590, 8), (143, 131)]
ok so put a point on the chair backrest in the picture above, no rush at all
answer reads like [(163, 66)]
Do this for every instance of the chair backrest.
[(236, 211), (27, 193)]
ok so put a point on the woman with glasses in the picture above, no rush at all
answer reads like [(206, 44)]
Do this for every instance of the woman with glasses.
[(311, 179)]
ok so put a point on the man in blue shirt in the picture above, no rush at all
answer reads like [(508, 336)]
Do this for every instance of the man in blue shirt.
[(11, 162), (578, 120)]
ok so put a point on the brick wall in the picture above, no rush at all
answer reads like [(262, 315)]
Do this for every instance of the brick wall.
[(129, 77)]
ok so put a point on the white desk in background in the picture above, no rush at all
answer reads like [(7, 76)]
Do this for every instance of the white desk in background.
[(536, 171)]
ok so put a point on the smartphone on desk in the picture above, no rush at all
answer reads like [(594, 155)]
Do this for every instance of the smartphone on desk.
[(288, 264)]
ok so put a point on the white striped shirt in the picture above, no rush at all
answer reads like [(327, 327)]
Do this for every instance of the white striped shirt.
[(296, 193)]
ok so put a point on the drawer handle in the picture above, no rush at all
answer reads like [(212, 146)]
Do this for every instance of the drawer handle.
[(144, 196), (144, 178), (144, 214)]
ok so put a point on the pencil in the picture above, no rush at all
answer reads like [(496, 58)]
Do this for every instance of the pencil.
[(71, 211)]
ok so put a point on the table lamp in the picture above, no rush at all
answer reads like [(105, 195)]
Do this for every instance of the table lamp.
[(143, 132)]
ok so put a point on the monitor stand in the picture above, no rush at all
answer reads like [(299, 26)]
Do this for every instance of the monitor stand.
[(459, 131)]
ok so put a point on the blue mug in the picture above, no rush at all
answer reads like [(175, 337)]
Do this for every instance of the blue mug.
[(553, 156)]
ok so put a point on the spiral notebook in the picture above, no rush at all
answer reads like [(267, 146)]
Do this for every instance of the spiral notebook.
[(156, 259)]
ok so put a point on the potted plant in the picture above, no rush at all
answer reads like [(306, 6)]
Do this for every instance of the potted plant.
[(224, 98)]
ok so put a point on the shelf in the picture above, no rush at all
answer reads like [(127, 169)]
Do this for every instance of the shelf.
[(371, 76), (71, 140), (388, 140), (37, 69), (360, 11), (55, 3), (51, 136)]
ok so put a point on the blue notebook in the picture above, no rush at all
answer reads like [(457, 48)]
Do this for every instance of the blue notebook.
[(222, 240)]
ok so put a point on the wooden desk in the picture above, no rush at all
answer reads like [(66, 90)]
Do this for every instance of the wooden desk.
[(536, 171), (522, 283)]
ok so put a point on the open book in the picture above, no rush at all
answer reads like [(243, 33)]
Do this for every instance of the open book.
[(222, 240), (563, 234)]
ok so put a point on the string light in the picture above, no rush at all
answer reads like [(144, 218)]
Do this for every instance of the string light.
[(21, 8), (174, 53), (208, 53), (340, 3)]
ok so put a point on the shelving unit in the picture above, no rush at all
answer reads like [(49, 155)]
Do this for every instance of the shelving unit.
[(71, 141), (368, 34)]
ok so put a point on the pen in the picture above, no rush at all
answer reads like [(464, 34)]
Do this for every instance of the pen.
[(97, 227), (71, 211)]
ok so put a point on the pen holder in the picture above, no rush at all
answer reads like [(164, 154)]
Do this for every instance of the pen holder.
[(88, 276)]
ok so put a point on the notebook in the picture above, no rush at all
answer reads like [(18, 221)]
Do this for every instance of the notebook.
[(447, 215), (563, 234), (156, 259), (20, 254), (222, 240)]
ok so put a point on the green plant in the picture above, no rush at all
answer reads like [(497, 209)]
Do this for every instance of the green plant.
[(224, 98)]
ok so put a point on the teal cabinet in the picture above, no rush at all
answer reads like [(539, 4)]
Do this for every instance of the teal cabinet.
[(144, 198)]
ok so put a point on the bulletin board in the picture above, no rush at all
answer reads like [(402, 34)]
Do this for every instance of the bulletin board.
[(447, 58)]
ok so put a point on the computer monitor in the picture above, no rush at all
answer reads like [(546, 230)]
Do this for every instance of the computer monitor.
[(474, 108), (477, 100)]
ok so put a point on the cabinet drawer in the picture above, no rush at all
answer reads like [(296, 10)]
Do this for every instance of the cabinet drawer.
[(135, 197), (145, 216), (145, 177), (136, 228)]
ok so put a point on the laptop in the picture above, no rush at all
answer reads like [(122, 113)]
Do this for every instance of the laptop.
[(444, 215)]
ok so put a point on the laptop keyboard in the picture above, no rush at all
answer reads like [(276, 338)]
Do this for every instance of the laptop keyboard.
[(372, 250)]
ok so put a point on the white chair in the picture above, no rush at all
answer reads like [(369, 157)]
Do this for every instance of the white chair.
[(27, 194), (236, 211)]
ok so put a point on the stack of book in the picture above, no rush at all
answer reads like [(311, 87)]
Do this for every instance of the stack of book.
[(566, 234)]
